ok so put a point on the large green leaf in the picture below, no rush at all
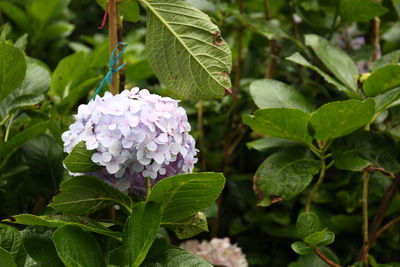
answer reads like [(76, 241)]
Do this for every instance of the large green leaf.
[(274, 94), (32, 90), (337, 61), (387, 100), (186, 50), (340, 118), (299, 59), (358, 150), (22, 137), (80, 160), (86, 194), (140, 231), (61, 220), (182, 196), (40, 247), (176, 257), (77, 248), (382, 80), (360, 10), (6, 259), (12, 69), (281, 122), (284, 175), (11, 240), (43, 10)]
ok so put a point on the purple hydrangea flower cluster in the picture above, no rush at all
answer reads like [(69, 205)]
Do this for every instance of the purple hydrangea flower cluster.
[(136, 135)]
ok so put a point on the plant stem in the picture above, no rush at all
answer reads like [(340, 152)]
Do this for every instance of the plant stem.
[(113, 40), (333, 26), (201, 135), (9, 128), (239, 53), (120, 36), (376, 29), (317, 185), (365, 215), (4, 120), (148, 188), (387, 226), (325, 258), (273, 46)]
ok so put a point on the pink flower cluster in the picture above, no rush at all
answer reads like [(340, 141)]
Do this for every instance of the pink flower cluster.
[(217, 251), (135, 134)]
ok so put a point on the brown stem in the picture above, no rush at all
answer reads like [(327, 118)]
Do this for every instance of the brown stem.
[(387, 226), (113, 40), (325, 258), (120, 35), (201, 135), (376, 26), (387, 199), (273, 46), (239, 54), (364, 256)]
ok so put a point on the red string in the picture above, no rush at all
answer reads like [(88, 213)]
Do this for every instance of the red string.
[(103, 22)]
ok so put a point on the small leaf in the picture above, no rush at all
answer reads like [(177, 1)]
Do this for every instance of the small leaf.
[(182, 196), (76, 247), (307, 223), (176, 257), (6, 259), (22, 137), (62, 220), (270, 142), (274, 94), (12, 69), (15, 14), (59, 29), (130, 10), (349, 10), (140, 231), (280, 122), (11, 240), (337, 61), (80, 160), (340, 118), (387, 100), (284, 175), (197, 225), (382, 80), (301, 248), (299, 59), (86, 194), (186, 50), (320, 238)]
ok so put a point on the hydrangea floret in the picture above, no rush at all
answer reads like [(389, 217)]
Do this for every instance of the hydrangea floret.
[(135, 134)]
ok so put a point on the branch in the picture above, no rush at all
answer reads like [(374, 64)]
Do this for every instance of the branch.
[(387, 226), (317, 185), (200, 127), (113, 39), (364, 254), (120, 36), (376, 28), (239, 53), (325, 258)]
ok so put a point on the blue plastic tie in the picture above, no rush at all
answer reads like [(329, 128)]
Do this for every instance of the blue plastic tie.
[(113, 60)]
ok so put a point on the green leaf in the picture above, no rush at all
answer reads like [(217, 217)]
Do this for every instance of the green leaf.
[(280, 122), (15, 14), (11, 240), (350, 10), (301, 248), (389, 58), (140, 231), (337, 61), (274, 94), (267, 143), (387, 100), (22, 137), (358, 150), (69, 73), (130, 10), (186, 50), (80, 160), (43, 10), (59, 29), (197, 225), (12, 69), (176, 257), (40, 247), (307, 223), (320, 238), (299, 59), (32, 90), (182, 196), (382, 80), (77, 248), (62, 220), (117, 257), (6, 259), (340, 118), (87, 194), (284, 175)]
